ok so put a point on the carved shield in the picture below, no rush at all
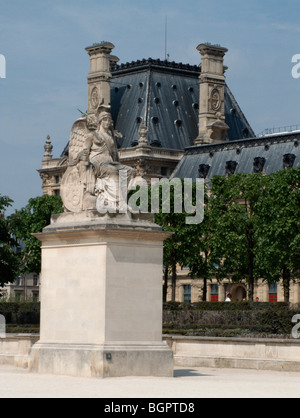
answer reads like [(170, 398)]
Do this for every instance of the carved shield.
[(71, 190)]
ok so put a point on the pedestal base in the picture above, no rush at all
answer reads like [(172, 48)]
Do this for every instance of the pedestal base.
[(115, 360), (101, 298)]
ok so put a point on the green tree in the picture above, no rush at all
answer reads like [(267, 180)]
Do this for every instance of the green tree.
[(173, 247), (279, 255), (198, 253), (165, 207), (174, 223), (9, 262), (31, 219), (236, 226)]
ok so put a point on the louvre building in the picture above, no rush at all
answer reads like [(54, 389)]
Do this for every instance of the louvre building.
[(180, 120)]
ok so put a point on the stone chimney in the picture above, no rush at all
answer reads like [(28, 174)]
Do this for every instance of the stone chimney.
[(212, 126), (99, 76)]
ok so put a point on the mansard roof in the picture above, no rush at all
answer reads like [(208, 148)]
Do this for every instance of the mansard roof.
[(267, 154), (166, 96)]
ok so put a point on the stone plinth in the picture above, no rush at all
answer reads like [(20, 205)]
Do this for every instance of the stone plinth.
[(101, 298)]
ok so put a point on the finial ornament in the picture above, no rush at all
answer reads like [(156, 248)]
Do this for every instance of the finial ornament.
[(48, 149), (143, 134)]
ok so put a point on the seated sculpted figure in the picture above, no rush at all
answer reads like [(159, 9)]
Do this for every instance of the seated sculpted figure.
[(93, 178)]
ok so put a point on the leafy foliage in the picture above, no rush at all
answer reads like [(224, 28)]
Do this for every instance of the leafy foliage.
[(236, 226), (250, 231), (9, 262), (280, 228), (31, 219)]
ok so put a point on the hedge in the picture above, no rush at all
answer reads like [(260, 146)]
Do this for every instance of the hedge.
[(202, 318), (21, 313), (228, 319), (223, 306)]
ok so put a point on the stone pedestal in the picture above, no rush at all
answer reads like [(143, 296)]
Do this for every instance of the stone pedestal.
[(101, 298)]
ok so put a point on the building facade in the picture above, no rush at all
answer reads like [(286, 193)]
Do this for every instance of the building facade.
[(191, 290), (156, 107), (178, 120), (25, 288)]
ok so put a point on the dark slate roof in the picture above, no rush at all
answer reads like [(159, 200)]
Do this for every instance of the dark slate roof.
[(166, 95), (273, 152)]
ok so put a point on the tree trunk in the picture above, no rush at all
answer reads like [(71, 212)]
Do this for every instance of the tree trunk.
[(204, 295), (251, 289), (165, 286), (286, 276), (250, 263), (174, 278)]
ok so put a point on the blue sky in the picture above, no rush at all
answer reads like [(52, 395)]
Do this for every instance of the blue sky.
[(46, 64)]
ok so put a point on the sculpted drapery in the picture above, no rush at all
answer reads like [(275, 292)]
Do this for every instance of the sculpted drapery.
[(92, 178)]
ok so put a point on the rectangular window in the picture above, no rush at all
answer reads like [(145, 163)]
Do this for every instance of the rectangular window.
[(214, 293), (187, 293), (35, 296), (19, 296), (35, 279), (273, 291), (164, 171), (273, 297), (3, 295)]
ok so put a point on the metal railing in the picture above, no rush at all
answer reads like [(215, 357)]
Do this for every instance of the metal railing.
[(282, 129)]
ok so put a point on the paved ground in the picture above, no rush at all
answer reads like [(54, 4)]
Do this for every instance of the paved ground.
[(187, 383)]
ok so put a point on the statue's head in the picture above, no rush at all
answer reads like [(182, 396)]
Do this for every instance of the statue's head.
[(92, 122), (105, 120)]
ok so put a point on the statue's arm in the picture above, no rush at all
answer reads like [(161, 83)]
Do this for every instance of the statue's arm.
[(88, 144), (119, 138)]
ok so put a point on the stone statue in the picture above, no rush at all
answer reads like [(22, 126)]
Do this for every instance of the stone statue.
[(94, 175)]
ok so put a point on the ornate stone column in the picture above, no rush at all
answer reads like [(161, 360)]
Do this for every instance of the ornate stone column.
[(212, 126), (99, 75)]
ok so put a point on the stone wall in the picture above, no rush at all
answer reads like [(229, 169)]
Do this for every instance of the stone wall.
[(15, 349), (246, 353)]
